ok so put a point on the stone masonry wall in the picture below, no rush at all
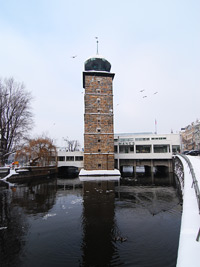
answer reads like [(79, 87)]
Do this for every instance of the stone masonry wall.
[(98, 121), (99, 161)]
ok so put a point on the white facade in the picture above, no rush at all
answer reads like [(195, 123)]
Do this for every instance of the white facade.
[(72, 158), (146, 146), (139, 146)]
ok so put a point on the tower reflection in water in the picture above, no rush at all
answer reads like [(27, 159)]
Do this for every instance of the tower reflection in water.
[(99, 226), (16, 205)]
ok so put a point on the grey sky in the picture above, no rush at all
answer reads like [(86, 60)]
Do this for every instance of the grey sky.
[(151, 45)]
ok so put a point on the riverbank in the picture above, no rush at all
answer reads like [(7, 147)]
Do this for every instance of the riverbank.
[(27, 173)]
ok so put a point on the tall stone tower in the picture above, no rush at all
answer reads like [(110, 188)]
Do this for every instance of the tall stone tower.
[(98, 117)]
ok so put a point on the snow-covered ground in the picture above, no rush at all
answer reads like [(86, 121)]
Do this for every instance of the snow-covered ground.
[(7, 176), (189, 248), (85, 175)]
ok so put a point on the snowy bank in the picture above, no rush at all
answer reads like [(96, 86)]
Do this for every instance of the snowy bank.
[(189, 248), (12, 172)]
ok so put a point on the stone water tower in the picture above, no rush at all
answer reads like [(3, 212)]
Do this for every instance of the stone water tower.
[(98, 115)]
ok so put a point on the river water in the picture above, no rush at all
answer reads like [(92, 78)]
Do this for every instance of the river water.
[(63, 222)]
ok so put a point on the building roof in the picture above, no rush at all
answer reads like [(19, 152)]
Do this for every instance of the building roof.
[(97, 63)]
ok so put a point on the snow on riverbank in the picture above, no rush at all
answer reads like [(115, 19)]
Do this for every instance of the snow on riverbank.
[(12, 172), (189, 248)]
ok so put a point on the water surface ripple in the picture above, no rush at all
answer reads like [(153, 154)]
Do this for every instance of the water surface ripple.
[(68, 223)]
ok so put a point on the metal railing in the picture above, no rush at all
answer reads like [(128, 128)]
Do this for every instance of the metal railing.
[(195, 184), (178, 169)]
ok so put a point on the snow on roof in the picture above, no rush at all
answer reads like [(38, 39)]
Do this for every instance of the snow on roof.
[(96, 56)]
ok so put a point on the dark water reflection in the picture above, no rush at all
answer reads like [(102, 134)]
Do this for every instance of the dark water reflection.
[(69, 223)]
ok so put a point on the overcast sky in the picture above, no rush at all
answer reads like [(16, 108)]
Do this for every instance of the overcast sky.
[(152, 45)]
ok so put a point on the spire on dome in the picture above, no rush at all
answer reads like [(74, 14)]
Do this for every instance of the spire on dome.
[(97, 62)]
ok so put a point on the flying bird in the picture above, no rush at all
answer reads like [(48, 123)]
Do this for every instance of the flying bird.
[(155, 93), (144, 96), (141, 91), (74, 56)]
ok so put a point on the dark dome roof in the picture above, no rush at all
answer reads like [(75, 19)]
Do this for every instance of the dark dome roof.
[(97, 63)]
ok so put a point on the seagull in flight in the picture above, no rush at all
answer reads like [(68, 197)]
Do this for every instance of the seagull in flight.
[(144, 96), (141, 91), (74, 56), (155, 93)]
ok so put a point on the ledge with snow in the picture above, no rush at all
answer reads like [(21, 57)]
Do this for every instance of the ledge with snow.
[(99, 174)]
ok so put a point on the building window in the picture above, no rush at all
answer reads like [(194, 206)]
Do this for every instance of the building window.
[(99, 150), (123, 149), (98, 100), (61, 158), (125, 139), (98, 91), (69, 158), (141, 139), (158, 138), (115, 149), (98, 130), (99, 166), (161, 148), (176, 149), (143, 149), (99, 110), (99, 140), (79, 158)]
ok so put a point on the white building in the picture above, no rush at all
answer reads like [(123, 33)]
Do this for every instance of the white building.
[(67, 159), (145, 149), (134, 149)]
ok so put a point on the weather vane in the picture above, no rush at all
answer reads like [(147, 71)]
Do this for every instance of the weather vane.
[(97, 45)]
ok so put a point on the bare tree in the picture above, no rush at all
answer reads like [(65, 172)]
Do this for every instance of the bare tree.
[(15, 116), (39, 151), (72, 145)]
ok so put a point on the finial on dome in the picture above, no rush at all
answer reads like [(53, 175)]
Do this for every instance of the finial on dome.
[(97, 62), (97, 45)]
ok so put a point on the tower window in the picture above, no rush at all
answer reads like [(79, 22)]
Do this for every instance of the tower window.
[(99, 150), (98, 100), (98, 130), (98, 91), (99, 140), (99, 166), (99, 110)]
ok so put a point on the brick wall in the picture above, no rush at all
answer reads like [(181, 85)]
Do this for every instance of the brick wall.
[(98, 121), (99, 161)]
